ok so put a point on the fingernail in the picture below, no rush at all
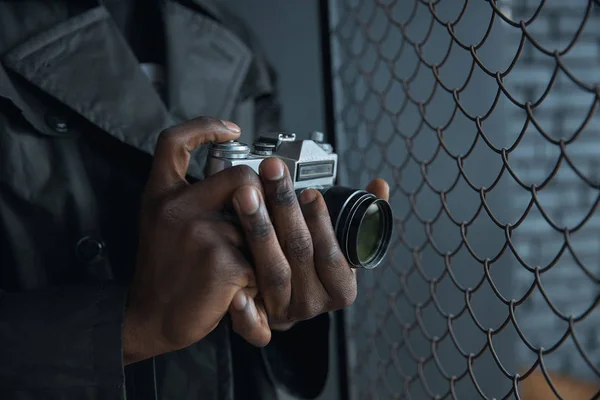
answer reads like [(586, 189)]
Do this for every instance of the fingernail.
[(252, 311), (246, 200), (272, 169), (308, 196), (231, 126), (239, 301)]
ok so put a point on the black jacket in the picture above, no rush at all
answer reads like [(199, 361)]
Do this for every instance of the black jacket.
[(78, 125)]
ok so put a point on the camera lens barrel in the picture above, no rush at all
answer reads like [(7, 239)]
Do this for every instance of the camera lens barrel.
[(363, 224)]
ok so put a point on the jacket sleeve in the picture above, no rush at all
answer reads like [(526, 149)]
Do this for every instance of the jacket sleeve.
[(62, 343)]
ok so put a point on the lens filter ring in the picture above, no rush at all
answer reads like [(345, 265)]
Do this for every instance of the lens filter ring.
[(364, 227)]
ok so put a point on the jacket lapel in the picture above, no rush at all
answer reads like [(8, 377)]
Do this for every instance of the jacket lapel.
[(85, 63)]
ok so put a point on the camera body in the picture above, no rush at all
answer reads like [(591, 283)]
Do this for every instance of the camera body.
[(362, 222), (312, 163)]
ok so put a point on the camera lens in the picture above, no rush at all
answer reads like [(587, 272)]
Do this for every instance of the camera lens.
[(363, 224), (370, 234)]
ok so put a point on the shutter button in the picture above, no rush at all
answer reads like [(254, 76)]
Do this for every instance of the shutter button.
[(90, 250), (57, 122)]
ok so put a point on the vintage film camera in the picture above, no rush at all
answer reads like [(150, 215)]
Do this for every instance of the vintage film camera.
[(362, 222)]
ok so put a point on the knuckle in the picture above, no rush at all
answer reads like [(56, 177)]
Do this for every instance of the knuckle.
[(167, 210), (201, 233), (228, 272), (332, 258), (195, 230), (285, 195), (345, 295), (305, 310), (320, 211), (168, 137), (278, 277), (279, 313), (222, 268), (298, 246), (207, 122), (260, 227)]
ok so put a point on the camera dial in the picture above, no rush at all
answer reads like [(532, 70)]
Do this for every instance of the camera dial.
[(263, 148), (231, 149), (268, 143)]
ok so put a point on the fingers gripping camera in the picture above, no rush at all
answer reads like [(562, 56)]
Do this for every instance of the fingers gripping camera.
[(362, 222)]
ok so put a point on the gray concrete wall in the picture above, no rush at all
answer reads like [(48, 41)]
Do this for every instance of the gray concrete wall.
[(289, 32)]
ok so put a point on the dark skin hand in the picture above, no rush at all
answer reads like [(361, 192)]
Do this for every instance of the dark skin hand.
[(190, 264), (192, 268), (300, 269)]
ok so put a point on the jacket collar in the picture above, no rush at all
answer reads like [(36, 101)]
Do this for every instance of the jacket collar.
[(85, 63)]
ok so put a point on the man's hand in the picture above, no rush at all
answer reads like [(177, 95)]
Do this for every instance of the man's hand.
[(189, 264), (300, 269)]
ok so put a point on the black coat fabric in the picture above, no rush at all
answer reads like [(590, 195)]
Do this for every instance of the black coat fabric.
[(78, 125)]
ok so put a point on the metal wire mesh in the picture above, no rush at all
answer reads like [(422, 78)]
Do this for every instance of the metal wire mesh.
[(483, 116)]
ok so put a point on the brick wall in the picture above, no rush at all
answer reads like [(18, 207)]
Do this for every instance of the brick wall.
[(567, 199)]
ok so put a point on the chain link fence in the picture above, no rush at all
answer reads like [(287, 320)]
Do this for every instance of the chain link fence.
[(483, 116)]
